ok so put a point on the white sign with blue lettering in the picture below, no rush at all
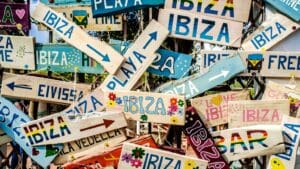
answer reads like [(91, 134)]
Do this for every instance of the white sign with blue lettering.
[(72, 34), (198, 83), (11, 118), (17, 52), (289, 7), (270, 33), (138, 58), (199, 27), (42, 89)]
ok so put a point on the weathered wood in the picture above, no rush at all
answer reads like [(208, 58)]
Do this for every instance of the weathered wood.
[(213, 108), (74, 35), (17, 52), (254, 112), (289, 7), (270, 33), (232, 10), (147, 107), (251, 141), (199, 27), (59, 128), (135, 156), (277, 91), (4, 138), (138, 57), (42, 89)]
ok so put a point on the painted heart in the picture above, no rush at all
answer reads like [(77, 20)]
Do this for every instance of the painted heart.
[(35, 152), (50, 150), (20, 13), (217, 100)]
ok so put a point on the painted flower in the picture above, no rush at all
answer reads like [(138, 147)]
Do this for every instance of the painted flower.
[(136, 163), (173, 108), (119, 100), (189, 164), (111, 103), (126, 157), (144, 117), (174, 120), (112, 96), (138, 152), (173, 101), (181, 103), (180, 112)]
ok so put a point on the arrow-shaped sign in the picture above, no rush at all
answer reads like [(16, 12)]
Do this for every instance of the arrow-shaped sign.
[(223, 73), (105, 123), (105, 57), (12, 86), (153, 36)]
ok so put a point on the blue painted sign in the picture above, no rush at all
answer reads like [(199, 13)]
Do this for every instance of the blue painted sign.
[(11, 118), (56, 3), (108, 7), (199, 83), (289, 7), (65, 58)]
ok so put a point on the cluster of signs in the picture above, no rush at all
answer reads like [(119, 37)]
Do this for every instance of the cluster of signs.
[(95, 121)]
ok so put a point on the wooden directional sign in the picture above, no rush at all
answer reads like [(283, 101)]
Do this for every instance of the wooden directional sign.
[(270, 33), (72, 34), (148, 107), (201, 28), (58, 128), (82, 16), (136, 156), (251, 141), (226, 9), (109, 7), (277, 91), (217, 74), (11, 118), (291, 129), (17, 52), (138, 57), (4, 138), (89, 145), (254, 112), (65, 58), (14, 16), (291, 8), (213, 108), (56, 3), (43, 89)]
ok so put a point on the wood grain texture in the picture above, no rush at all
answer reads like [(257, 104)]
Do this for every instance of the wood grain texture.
[(4, 138)]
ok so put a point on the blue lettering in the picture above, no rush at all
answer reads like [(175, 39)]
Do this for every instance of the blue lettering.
[(40, 90), (281, 61), (210, 25), (95, 102), (271, 60), (160, 107), (290, 62), (185, 4), (151, 99), (224, 32), (182, 22), (152, 160)]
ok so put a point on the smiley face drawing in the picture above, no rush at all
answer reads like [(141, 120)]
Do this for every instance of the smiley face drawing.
[(276, 163)]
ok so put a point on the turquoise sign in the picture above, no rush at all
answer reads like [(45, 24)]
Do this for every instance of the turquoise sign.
[(198, 83), (11, 118), (289, 7), (65, 58), (65, 2)]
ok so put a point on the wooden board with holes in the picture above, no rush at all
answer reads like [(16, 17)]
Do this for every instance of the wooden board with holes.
[(213, 108), (17, 52), (138, 58), (254, 112), (74, 35), (142, 156), (4, 138), (232, 10), (251, 141), (42, 89), (147, 106), (270, 33), (59, 128), (209, 29)]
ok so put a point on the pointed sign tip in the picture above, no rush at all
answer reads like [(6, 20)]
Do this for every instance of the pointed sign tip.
[(107, 122), (106, 58), (11, 85)]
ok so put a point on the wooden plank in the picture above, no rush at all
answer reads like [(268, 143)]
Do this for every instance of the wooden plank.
[(270, 33), (277, 91), (138, 57), (213, 108), (135, 156), (82, 16), (254, 112), (251, 141), (11, 120), (72, 34), (291, 137), (17, 52), (189, 26), (42, 89), (147, 106), (58, 128), (65, 58), (202, 142), (14, 16), (109, 7), (110, 157), (193, 85), (289, 7), (232, 10), (4, 138), (90, 145)]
